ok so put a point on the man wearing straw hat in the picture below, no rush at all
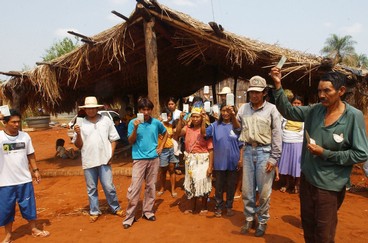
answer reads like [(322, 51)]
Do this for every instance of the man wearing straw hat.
[(96, 136)]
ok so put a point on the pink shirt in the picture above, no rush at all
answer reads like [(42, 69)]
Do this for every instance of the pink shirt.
[(195, 143)]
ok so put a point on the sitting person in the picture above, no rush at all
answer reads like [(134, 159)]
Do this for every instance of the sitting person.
[(63, 152)]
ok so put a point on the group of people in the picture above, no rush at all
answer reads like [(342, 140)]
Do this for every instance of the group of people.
[(323, 141)]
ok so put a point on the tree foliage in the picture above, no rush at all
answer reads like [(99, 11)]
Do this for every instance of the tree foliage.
[(60, 48), (338, 47)]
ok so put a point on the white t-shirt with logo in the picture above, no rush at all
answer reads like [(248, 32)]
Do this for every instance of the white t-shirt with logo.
[(14, 164)]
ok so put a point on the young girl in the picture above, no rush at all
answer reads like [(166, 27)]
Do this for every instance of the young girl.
[(292, 142), (168, 160), (63, 152), (198, 170)]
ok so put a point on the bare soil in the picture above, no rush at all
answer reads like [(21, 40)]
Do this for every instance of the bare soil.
[(62, 206)]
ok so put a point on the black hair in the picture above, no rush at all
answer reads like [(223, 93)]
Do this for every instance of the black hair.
[(297, 97), (12, 112), (171, 99), (128, 108), (60, 142), (337, 79), (115, 118), (145, 102)]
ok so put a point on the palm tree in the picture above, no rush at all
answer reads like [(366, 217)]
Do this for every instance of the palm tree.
[(338, 47), (355, 60)]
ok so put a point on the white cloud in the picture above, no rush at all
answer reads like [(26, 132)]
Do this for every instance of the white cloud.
[(353, 29), (327, 24), (63, 32)]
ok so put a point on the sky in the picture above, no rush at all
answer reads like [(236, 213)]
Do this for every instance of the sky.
[(29, 27)]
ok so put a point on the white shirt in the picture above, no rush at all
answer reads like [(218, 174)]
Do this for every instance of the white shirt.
[(14, 164), (97, 138)]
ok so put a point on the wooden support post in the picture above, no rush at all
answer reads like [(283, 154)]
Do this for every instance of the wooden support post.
[(235, 87), (152, 65), (214, 91)]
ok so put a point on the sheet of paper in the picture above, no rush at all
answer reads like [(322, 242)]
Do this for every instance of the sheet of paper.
[(230, 99), (4, 109), (281, 62), (140, 117), (185, 108), (206, 89), (79, 121)]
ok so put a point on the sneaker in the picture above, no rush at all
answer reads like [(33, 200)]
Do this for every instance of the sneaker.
[(218, 213), (246, 227), (261, 230), (229, 212)]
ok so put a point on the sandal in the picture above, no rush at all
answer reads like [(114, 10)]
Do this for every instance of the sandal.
[(160, 193), (283, 189), (41, 234), (93, 218), (203, 212), (188, 211), (296, 190), (174, 194)]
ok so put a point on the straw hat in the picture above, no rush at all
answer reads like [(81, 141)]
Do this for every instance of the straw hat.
[(90, 102), (225, 90)]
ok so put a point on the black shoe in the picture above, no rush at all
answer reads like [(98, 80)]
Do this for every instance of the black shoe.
[(152, 218), (261, 230), (246, 227), (126, 226)]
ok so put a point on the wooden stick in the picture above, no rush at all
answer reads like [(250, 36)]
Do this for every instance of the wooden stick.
[(120, 15), (79, 35)]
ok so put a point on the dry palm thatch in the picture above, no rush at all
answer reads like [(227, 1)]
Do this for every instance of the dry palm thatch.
[(190, 54)]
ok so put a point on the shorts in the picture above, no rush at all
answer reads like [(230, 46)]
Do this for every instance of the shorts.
[(167, 156), (22, 193)]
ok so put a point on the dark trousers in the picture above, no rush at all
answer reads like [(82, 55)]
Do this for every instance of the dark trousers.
[(319, 212), (225, 182)]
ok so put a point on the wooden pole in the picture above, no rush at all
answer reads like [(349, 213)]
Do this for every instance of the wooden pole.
[(152, 65), (235, 87)]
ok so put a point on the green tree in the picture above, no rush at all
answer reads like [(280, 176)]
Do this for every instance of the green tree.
[(60, 48), (356, 60), (338, 47)]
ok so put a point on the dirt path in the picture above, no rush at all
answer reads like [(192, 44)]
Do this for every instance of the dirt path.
[(62, 206)]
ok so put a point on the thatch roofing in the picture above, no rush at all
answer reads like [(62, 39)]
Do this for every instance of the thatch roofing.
[(190, 55)]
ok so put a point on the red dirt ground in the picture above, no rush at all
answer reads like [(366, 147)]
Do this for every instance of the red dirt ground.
[(62, 206)]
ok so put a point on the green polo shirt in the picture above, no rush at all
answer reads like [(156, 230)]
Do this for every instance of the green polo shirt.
[(344, 142)]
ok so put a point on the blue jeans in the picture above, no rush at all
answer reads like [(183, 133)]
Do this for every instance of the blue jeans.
[(91, 176), (255, 176)]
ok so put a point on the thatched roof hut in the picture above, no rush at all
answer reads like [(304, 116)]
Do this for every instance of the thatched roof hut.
[(190, 54)]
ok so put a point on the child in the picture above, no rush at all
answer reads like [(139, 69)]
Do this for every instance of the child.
[(167, 158), (63, 152)]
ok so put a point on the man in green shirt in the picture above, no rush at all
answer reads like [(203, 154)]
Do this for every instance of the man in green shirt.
[(335, 141)]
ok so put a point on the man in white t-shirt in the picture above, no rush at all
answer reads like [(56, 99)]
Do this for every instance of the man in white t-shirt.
[(96, 136), (16, 154)]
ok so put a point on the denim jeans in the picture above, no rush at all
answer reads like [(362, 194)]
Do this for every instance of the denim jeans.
[(255, 176), (225, 182), (91, 176)]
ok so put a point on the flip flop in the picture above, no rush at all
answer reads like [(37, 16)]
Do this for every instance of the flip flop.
[(188, 211), (283, 189), (203, 212), (160, 193), (93, 218), (41, 234), (174, 194)]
